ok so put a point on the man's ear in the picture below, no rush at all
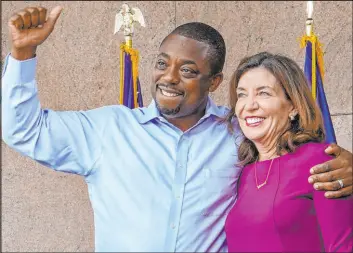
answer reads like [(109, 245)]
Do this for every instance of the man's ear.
[(216, 81)]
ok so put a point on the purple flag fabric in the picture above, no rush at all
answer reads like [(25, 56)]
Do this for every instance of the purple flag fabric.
[(129, 96), (320, 95)]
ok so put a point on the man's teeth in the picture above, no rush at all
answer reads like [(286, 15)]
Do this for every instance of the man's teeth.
[(254, 120), (169, 94)]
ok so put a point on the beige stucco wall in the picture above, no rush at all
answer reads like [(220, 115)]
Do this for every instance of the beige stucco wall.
[(78, 67)]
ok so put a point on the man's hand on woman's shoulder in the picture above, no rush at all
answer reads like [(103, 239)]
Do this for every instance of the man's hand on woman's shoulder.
[(334, 176)]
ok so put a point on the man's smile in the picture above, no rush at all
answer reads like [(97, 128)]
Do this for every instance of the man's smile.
[(169, 92)]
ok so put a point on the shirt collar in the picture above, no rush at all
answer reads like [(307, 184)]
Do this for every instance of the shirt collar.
[(151, 112), (213, 109)]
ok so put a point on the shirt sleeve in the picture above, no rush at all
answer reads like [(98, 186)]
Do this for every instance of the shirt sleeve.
[(334, 217), (65, 141)]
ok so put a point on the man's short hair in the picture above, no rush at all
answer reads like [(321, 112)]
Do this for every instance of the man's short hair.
[(206, 34)]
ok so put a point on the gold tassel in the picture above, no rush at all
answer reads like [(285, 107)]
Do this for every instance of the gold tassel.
[(134, 61), (122, 74), (320, 59), (313, 67), (316, 53)]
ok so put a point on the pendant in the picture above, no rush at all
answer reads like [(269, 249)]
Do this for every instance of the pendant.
[(259, 186)]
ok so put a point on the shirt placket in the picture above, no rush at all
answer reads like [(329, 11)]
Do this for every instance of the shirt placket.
[(178, 194)]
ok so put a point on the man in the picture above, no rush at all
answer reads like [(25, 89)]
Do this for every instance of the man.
[(160, 178)]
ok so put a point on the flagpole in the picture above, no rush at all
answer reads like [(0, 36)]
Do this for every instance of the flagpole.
[(309, 20), (125, 19), (314, 71), (309, 32)]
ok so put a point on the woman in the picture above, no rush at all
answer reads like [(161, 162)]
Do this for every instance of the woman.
[(277, 209)]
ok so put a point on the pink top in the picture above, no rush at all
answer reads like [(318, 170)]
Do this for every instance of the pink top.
[(288, 214)]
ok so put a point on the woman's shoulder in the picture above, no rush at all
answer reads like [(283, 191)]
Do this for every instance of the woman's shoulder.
[(313, 147), (311, 153)]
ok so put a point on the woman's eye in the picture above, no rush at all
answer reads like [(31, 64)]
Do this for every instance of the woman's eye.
[(241, 95), (264, 93)]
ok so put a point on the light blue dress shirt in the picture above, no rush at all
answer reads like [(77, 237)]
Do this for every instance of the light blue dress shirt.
[(152, 187)]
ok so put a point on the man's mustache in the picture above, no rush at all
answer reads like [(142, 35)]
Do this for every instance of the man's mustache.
[(168, 86)]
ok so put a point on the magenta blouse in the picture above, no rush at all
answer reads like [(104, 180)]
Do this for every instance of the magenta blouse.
[(288, 214)]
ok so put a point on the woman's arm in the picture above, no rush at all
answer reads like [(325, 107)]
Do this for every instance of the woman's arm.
[(335, 218)]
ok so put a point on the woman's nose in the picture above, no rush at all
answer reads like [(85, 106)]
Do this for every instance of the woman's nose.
[(251, 103)]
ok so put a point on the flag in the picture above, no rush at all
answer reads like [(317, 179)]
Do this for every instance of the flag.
[(130, 90), (314, 72)]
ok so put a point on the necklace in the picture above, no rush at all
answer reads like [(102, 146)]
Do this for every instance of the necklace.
[(268, 173)]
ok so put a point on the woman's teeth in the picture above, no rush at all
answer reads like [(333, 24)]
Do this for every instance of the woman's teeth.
[(254, 120)]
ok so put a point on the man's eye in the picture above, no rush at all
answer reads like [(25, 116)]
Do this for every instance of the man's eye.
[(188, 73), (161, 64)]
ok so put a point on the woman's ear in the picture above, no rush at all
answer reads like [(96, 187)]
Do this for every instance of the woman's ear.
[(293, 113)]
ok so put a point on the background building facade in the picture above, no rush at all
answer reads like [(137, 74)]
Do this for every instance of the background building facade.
[(78, 69)]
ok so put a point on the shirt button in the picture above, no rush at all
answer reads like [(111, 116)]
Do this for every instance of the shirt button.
[(207, 173), (172, 226), (177, 196)]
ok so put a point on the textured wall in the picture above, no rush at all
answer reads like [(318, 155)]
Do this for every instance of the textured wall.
[(78, 67)]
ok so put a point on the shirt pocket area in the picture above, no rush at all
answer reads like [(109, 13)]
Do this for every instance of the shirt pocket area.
[(218, 191)]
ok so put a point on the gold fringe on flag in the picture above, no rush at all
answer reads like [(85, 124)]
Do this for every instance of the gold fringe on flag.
[(126, 49), (316, 54)]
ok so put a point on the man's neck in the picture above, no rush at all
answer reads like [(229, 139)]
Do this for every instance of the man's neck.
[(187, 122)]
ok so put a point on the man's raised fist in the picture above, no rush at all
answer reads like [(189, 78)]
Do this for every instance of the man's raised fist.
[(29, 28)]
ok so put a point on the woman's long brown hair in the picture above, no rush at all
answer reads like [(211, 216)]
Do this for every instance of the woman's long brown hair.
[(307, 125)]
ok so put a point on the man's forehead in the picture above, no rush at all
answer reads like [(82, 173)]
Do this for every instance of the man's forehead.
[(179, 41), (183, 60), (186, 50)]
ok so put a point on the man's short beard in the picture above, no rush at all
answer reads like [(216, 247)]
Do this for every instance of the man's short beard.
[(168, 112)]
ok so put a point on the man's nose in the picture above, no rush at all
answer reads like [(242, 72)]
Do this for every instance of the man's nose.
[(171, 76)]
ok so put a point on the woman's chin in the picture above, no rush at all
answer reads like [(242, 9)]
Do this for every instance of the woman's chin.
[(253, 137)]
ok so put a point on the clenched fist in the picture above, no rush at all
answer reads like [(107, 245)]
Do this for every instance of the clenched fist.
[(29, 28)]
